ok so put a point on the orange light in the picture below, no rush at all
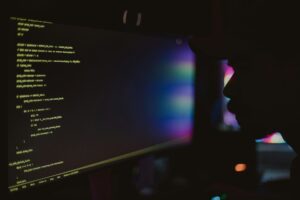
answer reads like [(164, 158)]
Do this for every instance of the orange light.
[(240, 167)]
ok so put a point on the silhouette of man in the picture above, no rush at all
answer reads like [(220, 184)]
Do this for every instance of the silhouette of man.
[(264, 50), (265, 98)]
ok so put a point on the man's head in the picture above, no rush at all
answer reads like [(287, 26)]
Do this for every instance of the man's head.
[(265, 96), (261, 41)]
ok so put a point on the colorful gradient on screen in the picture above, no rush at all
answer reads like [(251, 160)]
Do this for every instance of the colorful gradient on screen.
[(176, 87)]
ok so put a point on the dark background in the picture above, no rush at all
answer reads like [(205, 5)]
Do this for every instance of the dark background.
[(182, 172)]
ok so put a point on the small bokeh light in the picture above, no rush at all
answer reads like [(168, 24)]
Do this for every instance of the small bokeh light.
[(240, 167), (219, 197)]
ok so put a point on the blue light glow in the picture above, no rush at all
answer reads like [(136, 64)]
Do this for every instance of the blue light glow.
[(216, 198)]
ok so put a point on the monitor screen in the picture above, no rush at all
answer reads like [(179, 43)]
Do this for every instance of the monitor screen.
[(80, 98)]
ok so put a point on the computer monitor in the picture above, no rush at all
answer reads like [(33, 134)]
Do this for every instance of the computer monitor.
[(81, 97)]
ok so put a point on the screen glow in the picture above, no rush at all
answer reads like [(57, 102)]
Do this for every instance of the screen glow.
[(229, 119), (274, 138), (177, 104)]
